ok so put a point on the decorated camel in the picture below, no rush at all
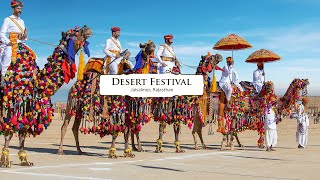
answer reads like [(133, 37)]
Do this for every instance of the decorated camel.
[(247, 109), (140, 108), (25, 100), (104, 115), (189, 110), (207, 102)]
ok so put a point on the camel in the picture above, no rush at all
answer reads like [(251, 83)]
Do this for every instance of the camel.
[(209, 104), (28, 110), (189, 110), (285, 105), (140, 109), (98, 115), (252, 118)]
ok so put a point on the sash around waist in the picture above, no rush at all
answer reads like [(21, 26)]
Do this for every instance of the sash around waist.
[(114, 51), (166, 58)]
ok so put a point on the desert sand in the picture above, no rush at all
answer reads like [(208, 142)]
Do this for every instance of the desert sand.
[(249, 162)]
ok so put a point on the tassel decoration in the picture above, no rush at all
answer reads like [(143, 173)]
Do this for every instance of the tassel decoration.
[(81, 66), (213, 87)]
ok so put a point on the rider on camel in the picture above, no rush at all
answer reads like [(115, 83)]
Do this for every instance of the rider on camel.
[(229, 76)]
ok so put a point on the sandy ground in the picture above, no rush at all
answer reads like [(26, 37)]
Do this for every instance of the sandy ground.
[(249, 162)]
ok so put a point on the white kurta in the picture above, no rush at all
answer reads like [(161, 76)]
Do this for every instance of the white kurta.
[(165, 51), (258, 80), (111, 45), (302, 127), (7, 27), (229, 75), (270, 126)]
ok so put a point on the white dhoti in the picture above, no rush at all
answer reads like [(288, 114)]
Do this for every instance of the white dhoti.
[(113, 67), (227, 89), (271, 137), (5, 59), (167, 69), (302, 134), (257, 86)]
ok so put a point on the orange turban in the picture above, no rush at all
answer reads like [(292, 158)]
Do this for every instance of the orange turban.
[(229, 59), (305, 100)]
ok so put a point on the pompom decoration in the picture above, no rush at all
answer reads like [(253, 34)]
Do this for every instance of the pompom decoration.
[(27, 91)]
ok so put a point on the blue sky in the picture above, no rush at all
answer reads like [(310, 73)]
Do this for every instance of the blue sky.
[(290, 28)]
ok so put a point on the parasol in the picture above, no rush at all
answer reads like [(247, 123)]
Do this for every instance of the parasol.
[(262, 56), (232, 42)]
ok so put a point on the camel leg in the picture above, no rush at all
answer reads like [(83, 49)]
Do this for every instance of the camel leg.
[(238, 141), (261, 142), (112, 150), (75, 130), (196, 128), (162, 126), (67, 119), (139, 142), (222, 123), (228, 142), (199, 132), (5, 161), (223, 142), (63, 132), (127, 150), (134, 148), (231, 142), (22, 154), (177, 128), (194, 138)]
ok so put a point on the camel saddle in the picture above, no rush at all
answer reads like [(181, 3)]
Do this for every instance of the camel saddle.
[(94, 65)]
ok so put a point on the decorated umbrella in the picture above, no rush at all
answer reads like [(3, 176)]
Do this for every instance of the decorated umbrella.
[(263, 56), (230, 43)]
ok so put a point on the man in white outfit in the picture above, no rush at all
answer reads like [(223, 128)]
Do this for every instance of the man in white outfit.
[(112, 49), (166, 57), (11, 25), (258, 77), (303, 124), (270, 125), (229, 76)]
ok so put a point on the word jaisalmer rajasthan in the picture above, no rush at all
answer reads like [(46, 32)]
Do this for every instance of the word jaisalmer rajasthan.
[(142, 82)]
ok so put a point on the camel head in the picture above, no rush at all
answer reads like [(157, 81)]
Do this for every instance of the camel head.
[(75, 38), (215, 59), (292, 94), (268, 87), (207, 63), (148, 48), (303, 86), (297, 86)]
